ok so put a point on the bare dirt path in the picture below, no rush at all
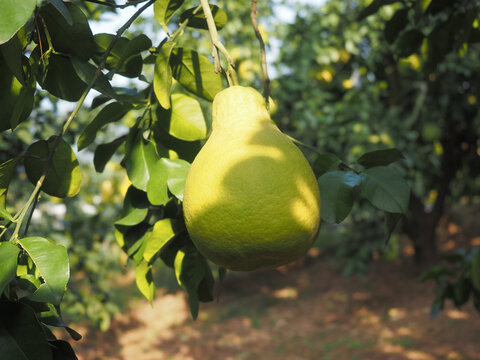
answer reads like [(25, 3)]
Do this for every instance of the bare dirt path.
[(305, 311)]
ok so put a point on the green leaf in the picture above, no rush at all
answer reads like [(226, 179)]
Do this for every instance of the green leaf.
[(177, 175), (144, 280), (103, 153), (61, 79), (64, 178), (135, 208), (336, 195), (185, 120), (125, 58), (110, 113), (385, 188), (163, 232), (391, 221), (3, 210), (22, 336), (8, 263), (76, 39), (325, 163), (157, 188), (140, 159), (7, 170), (24, 101), (86, 73), (63, 10), (62, 350), (164, 10), (199, 21), (162, 75), (51, 317), (475, 270), (12, 52), (380, 157), (196, 73), (51, 262), (10, 91), (13, 15), (190, 269)]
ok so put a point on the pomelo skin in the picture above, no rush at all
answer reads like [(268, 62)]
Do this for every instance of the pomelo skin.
[(251, 199)]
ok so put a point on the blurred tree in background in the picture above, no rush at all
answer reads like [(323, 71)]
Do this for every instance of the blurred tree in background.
[(397, 74), (353, 80)]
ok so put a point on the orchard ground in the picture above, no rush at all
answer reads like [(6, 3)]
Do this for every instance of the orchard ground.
[(308, 310)]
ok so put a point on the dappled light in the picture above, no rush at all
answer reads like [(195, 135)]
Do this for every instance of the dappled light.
[(308, 312)]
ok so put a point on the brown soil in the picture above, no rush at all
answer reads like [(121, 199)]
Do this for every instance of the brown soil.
[(306, 311)]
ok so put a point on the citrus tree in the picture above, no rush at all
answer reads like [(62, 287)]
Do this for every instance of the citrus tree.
[(49, 53), (403, 74)]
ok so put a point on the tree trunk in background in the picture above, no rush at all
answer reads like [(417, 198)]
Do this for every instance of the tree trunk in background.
[(421, 227)]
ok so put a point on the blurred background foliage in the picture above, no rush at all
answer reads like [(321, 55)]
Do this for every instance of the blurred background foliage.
[(348, 78)]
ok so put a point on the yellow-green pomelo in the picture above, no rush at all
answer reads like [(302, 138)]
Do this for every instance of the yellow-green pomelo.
[(251, 199)]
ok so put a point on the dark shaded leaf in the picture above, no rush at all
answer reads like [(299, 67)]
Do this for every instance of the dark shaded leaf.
[(10, 92), (326, 162), (380, 157), (336, 196), (12, 52), (61, 79), (103, 153), (110, 113), (63, 10), (76, 39), (22, 336), (199, 21), (86, 73), (385, 188), (125, 57), (391, 221), (62, 350), (64, 177), (8, 263)]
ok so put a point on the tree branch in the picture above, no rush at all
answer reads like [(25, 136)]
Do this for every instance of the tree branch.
[(115, 6), (34, 195), (218, 46)]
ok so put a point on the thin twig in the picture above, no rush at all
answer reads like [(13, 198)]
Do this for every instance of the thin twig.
[(266, 79), (32, 199), (218, 46), (115, 6), (39, 41), (184, 24)]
